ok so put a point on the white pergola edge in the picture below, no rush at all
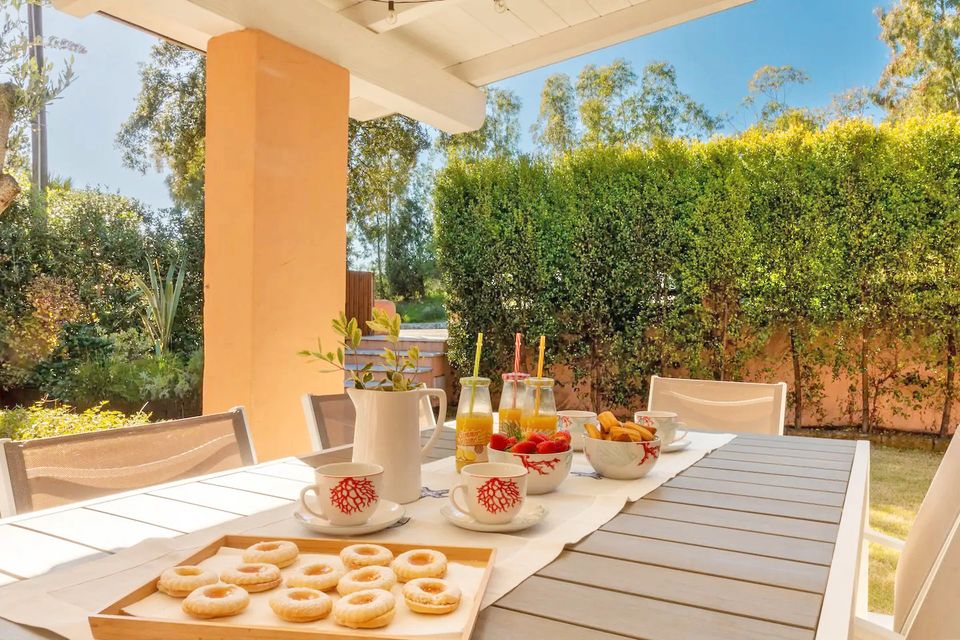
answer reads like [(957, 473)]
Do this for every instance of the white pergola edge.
[(385, 76)]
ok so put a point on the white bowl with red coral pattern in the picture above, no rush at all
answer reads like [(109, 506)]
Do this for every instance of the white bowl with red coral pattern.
[(545, 471), (621, 460)]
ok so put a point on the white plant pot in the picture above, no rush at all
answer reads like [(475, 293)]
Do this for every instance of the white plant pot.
[(387, 433)]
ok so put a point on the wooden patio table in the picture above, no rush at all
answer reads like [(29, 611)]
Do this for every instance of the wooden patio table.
[(759, 539)]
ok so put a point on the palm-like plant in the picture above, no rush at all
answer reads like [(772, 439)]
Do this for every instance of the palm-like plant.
[(160, 299)]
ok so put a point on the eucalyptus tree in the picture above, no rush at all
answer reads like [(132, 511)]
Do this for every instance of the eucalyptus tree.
[(498, 137), (923, 73), (26, 85), (555, 131)]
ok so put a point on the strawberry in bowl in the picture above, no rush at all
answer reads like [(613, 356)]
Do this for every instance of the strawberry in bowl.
[(546, 458)]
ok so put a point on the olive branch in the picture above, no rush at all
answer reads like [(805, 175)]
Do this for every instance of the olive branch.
[(400, 369)]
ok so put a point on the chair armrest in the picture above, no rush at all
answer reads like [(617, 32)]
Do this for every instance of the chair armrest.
[(864, 629), (883, 539)]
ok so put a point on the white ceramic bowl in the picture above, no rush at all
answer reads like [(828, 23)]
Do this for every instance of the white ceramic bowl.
[(621, 460), (545, 471)]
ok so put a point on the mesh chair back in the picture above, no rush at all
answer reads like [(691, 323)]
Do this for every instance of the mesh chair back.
[(927, 584), (330, 420), (709, 405), (48, 472)]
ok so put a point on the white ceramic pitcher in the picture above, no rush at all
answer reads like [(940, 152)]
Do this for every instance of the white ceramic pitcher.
[(387, 433)]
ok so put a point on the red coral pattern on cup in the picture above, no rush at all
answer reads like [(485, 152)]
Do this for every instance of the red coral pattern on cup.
[(353, 495), (499, 494)]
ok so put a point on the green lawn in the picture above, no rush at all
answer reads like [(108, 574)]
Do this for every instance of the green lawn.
[(898, 481), (426, 309)]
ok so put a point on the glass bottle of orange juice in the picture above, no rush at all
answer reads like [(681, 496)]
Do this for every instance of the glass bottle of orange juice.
[(474, 421), (511, 399), (539, 408)]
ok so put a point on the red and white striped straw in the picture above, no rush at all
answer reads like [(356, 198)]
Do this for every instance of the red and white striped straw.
[(516, 354)]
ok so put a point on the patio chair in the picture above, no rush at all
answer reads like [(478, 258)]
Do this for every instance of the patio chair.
[(47, 472), (330, 419), (733, 407), (926, 602)]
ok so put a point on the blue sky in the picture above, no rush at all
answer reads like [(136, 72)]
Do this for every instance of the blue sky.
[(834, 41)]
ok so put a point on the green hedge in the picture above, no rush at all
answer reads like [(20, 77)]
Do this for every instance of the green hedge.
[(690, 256)]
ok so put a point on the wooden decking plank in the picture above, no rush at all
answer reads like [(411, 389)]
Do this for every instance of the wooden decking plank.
[(790, 452), (224, 498), (95, 529), (30, 553), (709, 536), (749, 504), (170, 514), (767, 479), (504, 624), (733, 454), (716, 562), (759, 491), (749, 599), (712, 462), (761, 523), (635, 616)]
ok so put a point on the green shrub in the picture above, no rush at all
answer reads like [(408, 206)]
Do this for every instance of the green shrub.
[(43, 420), (689, 256)]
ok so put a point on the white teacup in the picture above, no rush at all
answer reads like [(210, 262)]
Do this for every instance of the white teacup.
[(348, 492), (493, 492), (574, 421), (666, 423)]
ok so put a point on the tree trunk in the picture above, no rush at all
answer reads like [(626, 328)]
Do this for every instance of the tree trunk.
[(9, 188), (864, 383), (948, 383), (797, 381)]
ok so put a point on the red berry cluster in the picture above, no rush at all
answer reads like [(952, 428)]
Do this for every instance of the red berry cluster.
[(533, 443)]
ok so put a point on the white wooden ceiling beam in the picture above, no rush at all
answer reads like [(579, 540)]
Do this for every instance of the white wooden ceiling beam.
[(373, 15), (387, 73), (584, 37)]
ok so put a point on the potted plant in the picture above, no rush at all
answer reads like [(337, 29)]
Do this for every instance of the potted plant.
[(388, 406)]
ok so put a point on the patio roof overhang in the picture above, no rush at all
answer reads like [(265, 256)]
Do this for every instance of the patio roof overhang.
[(430, 61), (282, 77)]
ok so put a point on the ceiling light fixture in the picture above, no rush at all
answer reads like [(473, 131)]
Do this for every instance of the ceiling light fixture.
[(391, 13), (500, 5)]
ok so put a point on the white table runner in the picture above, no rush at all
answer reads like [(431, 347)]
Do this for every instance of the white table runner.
[(61, 600)]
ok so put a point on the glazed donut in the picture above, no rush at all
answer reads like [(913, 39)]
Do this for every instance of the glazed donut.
[(179, 582), (365, 578), (319, 575), (254, 577), (276, 552), (368, 609), (301, 605), (216, 601), (431, 595), (419, 563), (364, 555)]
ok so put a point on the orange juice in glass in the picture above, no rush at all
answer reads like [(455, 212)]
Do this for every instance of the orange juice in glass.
[(511, 400), (539, 408), (474, 421)]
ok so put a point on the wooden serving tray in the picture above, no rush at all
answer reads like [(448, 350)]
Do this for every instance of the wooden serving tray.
[(113, 624)]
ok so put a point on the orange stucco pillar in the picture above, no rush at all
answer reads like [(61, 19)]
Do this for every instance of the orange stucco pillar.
[(275, 264)]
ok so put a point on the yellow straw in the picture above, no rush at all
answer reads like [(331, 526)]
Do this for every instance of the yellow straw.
[(543, 343), (536, 395), (476, 370)]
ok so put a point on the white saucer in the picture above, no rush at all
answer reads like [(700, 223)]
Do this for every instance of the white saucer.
[(676, 445), (530, 514), (387, 514)]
